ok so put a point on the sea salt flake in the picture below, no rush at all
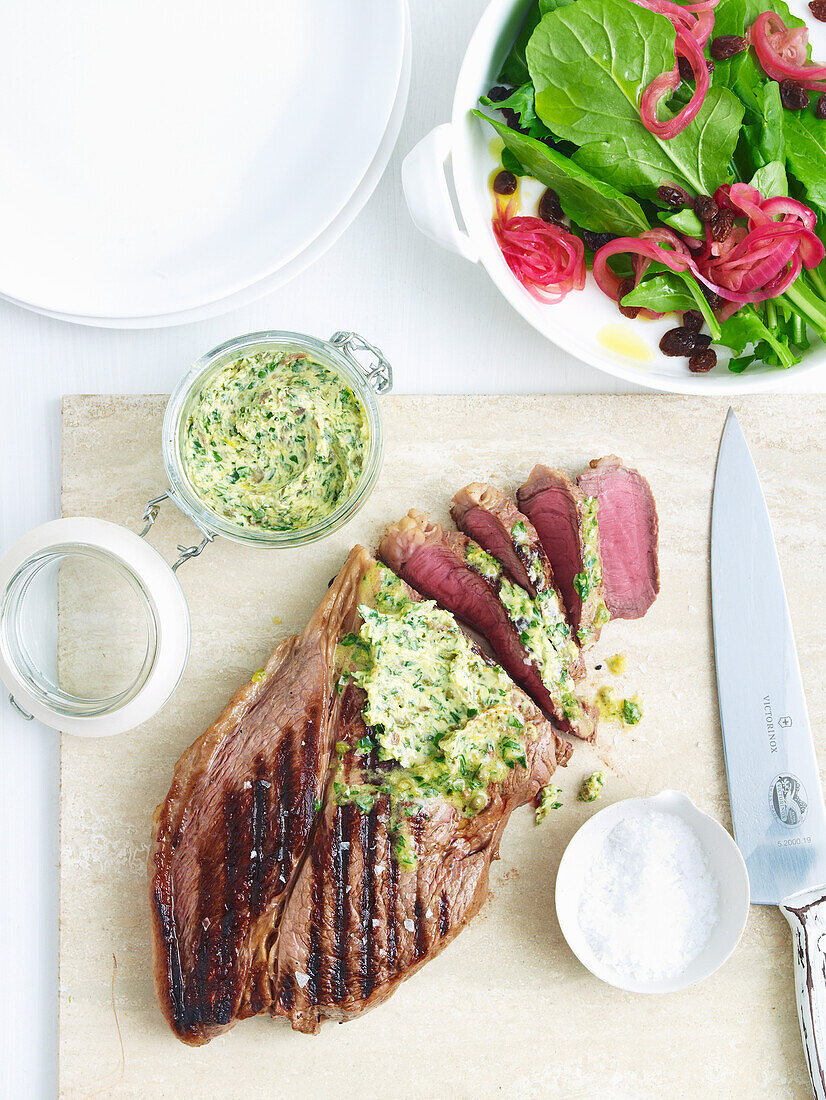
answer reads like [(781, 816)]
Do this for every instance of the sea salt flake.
[(409, 925), (429, 914), (301, 978), (650, 900), (375, 922)]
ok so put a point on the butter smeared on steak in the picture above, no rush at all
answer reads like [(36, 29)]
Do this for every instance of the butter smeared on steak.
[(530, 637), (567, 524), (628, 533), (298, 867)]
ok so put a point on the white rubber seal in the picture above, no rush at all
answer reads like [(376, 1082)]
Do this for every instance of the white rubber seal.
[(168, 606)]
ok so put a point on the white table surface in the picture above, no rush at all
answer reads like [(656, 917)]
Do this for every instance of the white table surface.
[(438, 319)]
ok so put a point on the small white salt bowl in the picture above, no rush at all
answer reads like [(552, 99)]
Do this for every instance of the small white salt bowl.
[(724, 861)]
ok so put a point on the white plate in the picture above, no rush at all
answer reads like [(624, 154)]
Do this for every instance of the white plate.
[(309, 255), (169, 156), (586, 324)]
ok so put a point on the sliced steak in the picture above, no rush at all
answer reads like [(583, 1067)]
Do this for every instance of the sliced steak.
[(490, 518), (231, 832), (530, 638), (357, 924), (567, 527), (628, 535)]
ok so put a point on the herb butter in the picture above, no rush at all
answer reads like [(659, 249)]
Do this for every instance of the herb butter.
[(275, 440), (433, 705)]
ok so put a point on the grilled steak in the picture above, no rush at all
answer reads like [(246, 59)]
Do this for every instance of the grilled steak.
[(628, 534), (490, 518), (274, 886), (356, 924), (566, 523), (530, 638), (236, 822)]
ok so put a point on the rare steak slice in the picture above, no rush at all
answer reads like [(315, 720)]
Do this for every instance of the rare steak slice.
[(530, 638), (229, 836), (400, 858), (492, 520), (628, 535), (566, 522)]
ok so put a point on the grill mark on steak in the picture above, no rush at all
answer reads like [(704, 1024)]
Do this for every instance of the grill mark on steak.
[(444, 914), (166, 922), (261, 794), (340, 870), (367, 838), (287, 992), (392, 916), (312, 988)]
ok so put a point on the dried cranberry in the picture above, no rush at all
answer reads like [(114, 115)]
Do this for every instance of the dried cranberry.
[(703, 361), (693, 320), (684, 65), (721, 225), (705, 207), (673, 195), (505, 183), (595, 241), (793, 96), (820, 107), (818, 9), (512, 120), (625, 287), (498, 94), (725, 46), (710, 65), (679, 341), (712, 297), (549, 208)]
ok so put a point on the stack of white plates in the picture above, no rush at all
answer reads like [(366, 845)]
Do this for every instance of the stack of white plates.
[(163, 162)]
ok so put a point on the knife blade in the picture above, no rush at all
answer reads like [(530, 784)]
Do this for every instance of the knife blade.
[(773, 779)]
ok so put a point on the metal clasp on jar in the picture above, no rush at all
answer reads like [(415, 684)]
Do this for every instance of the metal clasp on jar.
[(150, 514), (366, 358)]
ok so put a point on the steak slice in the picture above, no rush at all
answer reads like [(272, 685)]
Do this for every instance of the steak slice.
[(234, 826), (490, 518), (358, 923), (566, 523), (530, 638), (628, 536)]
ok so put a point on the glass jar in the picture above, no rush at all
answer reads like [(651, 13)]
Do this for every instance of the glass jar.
[(362, 368), (109, 569)]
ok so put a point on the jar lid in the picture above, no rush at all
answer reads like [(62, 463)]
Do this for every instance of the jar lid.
[(115, 667)]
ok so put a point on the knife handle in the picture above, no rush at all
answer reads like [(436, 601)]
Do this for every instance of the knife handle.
[(806, 914)]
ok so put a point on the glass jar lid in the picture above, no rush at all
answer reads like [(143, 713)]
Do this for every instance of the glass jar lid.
[(124, 590)]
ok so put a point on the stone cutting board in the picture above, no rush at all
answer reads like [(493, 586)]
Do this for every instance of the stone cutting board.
[(506, 1010)]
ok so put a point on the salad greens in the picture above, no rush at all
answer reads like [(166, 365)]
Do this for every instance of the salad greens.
[(575, 78)]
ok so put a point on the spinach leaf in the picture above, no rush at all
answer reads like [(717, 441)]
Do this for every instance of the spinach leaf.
[(515, 69), (511, 164), (521, 101), (806, 154), (684, 221), (770, 180), (589, 202), (747, 327), (664, 293), (589, 63)]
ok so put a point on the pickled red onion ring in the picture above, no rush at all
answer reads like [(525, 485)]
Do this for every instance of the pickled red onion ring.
[(547, 261), (693, 24), (781, 51), (661, 86), (755, 264)]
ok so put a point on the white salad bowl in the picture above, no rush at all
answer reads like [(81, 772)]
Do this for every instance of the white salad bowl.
[(724, 860), (586, 323)]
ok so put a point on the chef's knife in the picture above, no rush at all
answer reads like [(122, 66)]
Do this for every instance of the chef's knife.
[(773, 780)]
